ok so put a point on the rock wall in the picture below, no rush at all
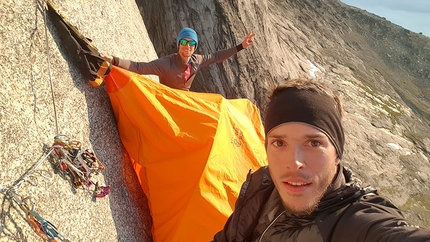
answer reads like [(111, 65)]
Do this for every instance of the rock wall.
[(31, 58)]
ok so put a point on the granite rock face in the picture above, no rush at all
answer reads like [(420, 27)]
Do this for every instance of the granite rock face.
[(32, 59), (379, 69)]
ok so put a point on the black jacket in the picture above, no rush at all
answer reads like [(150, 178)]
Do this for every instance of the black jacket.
[(347, 212)]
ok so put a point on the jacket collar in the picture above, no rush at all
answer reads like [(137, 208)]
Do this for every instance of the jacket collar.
[(344, 189), (179, 61)]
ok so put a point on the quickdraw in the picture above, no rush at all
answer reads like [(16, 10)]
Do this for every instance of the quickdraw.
[(42, 227), (69, 158)]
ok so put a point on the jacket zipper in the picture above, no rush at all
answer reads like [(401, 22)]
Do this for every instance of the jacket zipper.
[(270, 225)]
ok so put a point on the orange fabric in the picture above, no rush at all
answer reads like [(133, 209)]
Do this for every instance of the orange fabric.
[(191, 152)]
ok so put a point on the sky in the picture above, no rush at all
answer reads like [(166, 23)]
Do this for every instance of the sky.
[(413, 15)]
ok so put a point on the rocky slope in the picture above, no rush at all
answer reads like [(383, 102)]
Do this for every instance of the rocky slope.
[(380, 70)]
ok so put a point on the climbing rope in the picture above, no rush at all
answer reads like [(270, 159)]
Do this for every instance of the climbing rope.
[(68, 158), (45, 9), (43, 228)]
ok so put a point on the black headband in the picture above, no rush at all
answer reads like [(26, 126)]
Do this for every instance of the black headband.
[(306, 106)]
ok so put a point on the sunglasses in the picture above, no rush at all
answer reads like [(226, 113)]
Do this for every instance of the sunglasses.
[(184, 42)]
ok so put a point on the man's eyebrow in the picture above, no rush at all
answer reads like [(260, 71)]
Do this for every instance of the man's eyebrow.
[(315, 135), (309, 135), (276, 136)]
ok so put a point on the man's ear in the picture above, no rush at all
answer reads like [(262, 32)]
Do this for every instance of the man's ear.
[(337, 160)]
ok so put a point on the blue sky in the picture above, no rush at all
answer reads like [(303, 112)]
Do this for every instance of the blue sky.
[(410, 14)]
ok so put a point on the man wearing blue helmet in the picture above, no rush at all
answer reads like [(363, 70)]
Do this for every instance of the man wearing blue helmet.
[(179, 70)]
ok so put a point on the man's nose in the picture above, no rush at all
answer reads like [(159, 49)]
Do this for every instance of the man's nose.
[(294, 157)]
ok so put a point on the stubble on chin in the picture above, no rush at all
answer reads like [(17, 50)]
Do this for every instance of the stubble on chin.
[(302, 210), (306, 209)]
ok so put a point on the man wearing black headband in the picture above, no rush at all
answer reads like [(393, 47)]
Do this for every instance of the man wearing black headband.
[(305, 194)]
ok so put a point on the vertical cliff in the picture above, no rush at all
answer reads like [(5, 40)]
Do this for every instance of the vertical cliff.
[(31, 59)]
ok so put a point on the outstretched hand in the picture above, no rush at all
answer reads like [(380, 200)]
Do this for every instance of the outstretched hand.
[(248, 41), (109, 57)]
